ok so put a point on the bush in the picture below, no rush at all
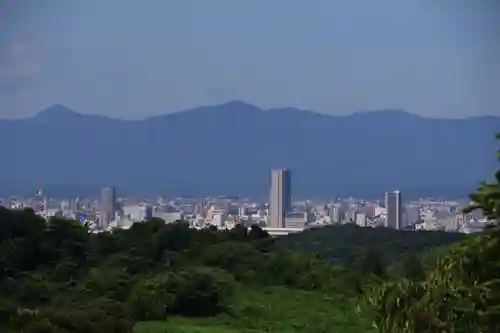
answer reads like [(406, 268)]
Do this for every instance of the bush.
[(460, 295), (84, 320), (193, 292), (112, 282)]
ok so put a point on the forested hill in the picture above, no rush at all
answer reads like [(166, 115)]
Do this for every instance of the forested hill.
[(55, 276), (345, 243)]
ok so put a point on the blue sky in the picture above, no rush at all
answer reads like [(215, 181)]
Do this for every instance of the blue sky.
[(131, 58)]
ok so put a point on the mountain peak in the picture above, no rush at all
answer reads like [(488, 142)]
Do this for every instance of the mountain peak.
[(238, 104), (56, 111), (230, 148)]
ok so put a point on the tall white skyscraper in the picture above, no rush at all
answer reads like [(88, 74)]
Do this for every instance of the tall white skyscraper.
[(394, 210), (108, 206), (280, 197), (336, 213), (45, 204), (361, 219)]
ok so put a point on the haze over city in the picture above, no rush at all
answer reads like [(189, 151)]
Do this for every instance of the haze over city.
[(249, 166)]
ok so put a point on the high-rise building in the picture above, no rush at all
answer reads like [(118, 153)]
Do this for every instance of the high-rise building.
[(147, 213), (394, 210), (335, 214), (280, 197), (361, 219), (76, 204), (45, 204), (108, 206)]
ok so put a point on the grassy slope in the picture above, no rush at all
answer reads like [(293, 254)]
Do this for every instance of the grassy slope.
[(294, 311), (272, 310)]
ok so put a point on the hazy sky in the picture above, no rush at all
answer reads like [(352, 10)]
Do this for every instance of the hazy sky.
[(131, 58)]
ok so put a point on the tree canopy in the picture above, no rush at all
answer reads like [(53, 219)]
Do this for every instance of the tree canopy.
[(56, 276), (461, 294)]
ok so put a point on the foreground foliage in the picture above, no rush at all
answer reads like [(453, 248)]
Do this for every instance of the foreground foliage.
[(271, 309), (461, 294), (57, 277)]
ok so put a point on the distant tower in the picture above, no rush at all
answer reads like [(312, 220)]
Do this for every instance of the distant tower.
[(394, 210), (146, 212), (335, 213), (108, 206), (77, 204), (361, 219), (280, 197)]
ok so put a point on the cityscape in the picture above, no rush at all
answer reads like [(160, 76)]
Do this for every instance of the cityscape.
[(280, 215), (249, 166)]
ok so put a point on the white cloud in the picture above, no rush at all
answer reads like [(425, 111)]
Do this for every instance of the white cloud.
[(17, 62)]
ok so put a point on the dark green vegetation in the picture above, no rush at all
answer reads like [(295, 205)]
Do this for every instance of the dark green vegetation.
[(461, 294), (57, 277), (348, 243)]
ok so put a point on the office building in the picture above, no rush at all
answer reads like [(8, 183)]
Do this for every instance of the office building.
[(108, 206), (147, 213), (296, 219), (394, 210), (45, 204), (361, 219), (138, 213), (336, 214), (280, 197)]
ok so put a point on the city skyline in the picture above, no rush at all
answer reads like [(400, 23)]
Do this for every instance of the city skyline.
[(280, 214), (265, 166), (225, 213)]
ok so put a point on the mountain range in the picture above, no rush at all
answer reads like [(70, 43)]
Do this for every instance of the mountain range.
[(230, 149)]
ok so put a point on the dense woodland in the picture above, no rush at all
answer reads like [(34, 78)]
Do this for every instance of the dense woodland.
[(56, 276), (156, 277), (348, 243)]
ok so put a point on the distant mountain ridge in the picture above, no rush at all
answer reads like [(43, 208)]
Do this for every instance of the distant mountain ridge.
[(230, 148), (59, 110)]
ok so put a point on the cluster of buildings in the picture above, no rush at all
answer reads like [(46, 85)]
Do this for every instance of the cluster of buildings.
[(280, 215), (284, 215)]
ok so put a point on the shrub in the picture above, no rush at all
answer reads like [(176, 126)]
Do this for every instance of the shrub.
[(192, 292)]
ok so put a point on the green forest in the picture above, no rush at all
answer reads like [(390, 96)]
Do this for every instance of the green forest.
[(56, 276)]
